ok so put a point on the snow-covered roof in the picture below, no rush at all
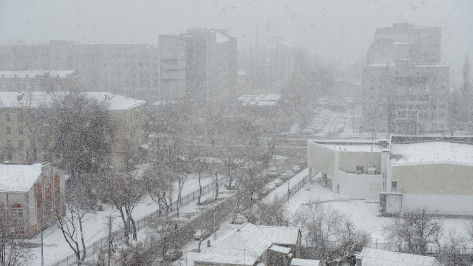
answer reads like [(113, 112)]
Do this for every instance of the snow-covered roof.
[(280, 249), (431, 152), (19, 178), (242, 246), (378, 257), (281, 235), (304, 262), (35, 73), (350, 145), (220, 38), (245, 244), (260, 99), (36, 99)]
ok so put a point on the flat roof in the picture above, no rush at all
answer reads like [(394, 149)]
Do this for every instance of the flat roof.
[(35, 73), (19, 178), (37, 99), (350, 145), (378, 257), (304, 262), (431, 152)]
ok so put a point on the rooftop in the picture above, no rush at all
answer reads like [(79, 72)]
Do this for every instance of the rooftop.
[(37, 99), (37, 73), (19, 178), (350, 145), (431, 152), (378, 257), (260, 99), (305, 262)]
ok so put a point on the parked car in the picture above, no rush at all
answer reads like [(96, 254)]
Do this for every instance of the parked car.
[(201, 234), (240, 219), (173, 254), (278, 182)]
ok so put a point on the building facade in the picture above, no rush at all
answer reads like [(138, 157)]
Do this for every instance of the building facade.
[(405, 86), (30, 195), (129, 69), (30, 80), (18, 136), (199, 64)]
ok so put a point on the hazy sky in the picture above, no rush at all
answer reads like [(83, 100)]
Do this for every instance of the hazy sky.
[(333, 29)]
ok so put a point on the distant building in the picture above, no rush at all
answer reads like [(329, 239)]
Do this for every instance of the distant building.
[(30, 195), (199, 64), (129, 69), (405, 86), (249, 244), (40, 80), (127, 116), (378, 257)]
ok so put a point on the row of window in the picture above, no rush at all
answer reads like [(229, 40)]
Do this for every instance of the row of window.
[(8, 130), (16, 213)]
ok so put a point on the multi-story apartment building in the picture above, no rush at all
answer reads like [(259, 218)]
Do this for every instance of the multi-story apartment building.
[(17, 139), (200, 64), (130, 69), (405, 86), (30, 80)]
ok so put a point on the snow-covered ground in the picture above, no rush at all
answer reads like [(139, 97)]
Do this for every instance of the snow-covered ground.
[(95, 227)]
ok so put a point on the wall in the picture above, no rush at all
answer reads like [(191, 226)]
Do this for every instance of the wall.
[(357, 186), (441, 204), (321, 158), (440, 178), (348, 161)]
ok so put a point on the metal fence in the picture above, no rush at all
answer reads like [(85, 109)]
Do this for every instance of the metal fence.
[(96, 246), (292, 190)]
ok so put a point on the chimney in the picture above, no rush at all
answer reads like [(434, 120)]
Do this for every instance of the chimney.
[(383, 143)]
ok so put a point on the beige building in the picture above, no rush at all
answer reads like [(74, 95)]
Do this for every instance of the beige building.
[(351, 168), (129, 69), (16, 145), (30, 194), (432, 173), (405, 86), (200, 64)]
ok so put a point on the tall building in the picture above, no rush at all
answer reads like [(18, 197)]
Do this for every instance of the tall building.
[(200, 64), (19, 145), (405, 86), (129, 69)]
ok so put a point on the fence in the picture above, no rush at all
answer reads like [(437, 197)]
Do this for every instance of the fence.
[(291, 191), (96, 246)]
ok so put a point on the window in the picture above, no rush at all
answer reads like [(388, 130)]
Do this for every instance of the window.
[(8, 117), (9, 144), (394, 186), (16, 212), (20, 144), (20, 130), (20, 118), (8, 130)]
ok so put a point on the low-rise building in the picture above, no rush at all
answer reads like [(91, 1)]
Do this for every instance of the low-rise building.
[(40, 80), (249, 244), (378, 257), (30, 195), (126, 114), (353, 168)]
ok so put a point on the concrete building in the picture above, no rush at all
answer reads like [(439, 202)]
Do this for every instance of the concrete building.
[(30, 195), (409, 174), (429, 172), (129, 69), (127, 117), (405, 86), (31, 80), (352, 168), (199, 64)]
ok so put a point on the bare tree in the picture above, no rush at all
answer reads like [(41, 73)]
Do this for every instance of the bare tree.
[(159, 182), (78, 206), (82, 133), (14, 250), (416, 230), (123, 191)]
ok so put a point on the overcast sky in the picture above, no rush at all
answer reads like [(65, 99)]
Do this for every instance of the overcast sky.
[(333, 29)]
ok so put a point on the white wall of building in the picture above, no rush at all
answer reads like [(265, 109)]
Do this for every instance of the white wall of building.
[(357, 186), (443, 204)]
